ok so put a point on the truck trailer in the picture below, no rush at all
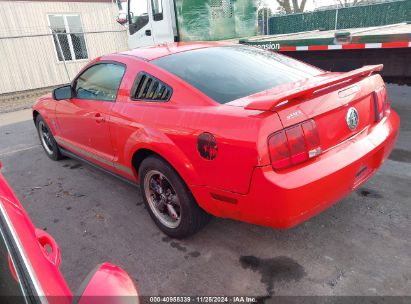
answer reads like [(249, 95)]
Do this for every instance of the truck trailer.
[(153, 22)]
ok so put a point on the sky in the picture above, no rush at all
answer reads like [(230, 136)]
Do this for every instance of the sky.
[(309, 6)]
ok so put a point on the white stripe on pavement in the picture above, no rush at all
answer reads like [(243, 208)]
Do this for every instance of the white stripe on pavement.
[(19, 150)]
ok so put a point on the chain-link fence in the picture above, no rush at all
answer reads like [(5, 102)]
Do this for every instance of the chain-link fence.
[(340, 14), (33, 59), (53, 56), (44, 44)]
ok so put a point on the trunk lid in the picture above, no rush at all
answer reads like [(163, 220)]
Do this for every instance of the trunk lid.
[(331, 111), (341, 104)]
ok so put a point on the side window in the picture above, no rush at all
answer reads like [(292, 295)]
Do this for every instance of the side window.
[(157, 7), (149, 88), (99, 82), (138, 15), (9, 288)]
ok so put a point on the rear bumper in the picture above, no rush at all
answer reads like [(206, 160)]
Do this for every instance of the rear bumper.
[(285, 199)]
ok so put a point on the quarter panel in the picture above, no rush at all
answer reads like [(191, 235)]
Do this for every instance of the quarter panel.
[(173, 132), (172, 128)]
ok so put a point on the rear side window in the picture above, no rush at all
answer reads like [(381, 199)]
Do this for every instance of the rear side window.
[(100, 82), (149, 88), (227, 73)]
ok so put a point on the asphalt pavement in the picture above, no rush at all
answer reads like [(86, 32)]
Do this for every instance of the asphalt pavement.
[(360, 246)]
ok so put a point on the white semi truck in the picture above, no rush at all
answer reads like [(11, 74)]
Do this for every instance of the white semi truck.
[(152, 22)]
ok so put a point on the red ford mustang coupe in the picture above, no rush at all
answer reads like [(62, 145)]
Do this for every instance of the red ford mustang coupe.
[(227, 130)]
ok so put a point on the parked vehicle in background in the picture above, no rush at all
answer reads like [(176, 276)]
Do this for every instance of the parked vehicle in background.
[(33, 258), (222, 129), (153, 22)]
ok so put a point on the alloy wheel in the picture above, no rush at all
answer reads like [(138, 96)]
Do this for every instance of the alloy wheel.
[(45, 137), (162, 199)]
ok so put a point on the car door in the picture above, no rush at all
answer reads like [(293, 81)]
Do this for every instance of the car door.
[(140, 31), (30, 265), (84, 120), (30, 257)]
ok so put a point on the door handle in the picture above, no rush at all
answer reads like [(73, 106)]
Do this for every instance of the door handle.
[(99, 118), (148, 32), (49, 247)]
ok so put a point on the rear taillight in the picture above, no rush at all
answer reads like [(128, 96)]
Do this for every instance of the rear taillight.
[(294, 145), (312, 139), (381, 104), (279, 151)]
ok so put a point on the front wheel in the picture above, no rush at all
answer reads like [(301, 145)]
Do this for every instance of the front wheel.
[(169, 202), (47, 140)]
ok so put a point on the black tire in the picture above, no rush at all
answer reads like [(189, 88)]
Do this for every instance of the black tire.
[(192, 217), (49, 145)]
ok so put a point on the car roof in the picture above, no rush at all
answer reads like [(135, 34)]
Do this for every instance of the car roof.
[(154, 52)]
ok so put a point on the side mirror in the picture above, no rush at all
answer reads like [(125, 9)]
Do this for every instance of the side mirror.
[(109, 282), (64, 92), (122, 18)]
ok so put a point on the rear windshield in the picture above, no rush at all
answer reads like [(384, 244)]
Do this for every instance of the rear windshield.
[(227, 73)]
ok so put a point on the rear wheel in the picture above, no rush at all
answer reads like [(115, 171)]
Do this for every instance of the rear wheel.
[(169, 202), (47, 140)]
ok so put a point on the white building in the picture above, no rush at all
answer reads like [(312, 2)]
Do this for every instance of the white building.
[(44, 43)]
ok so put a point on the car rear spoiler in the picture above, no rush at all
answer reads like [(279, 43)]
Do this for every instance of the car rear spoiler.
[(267, 103)]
